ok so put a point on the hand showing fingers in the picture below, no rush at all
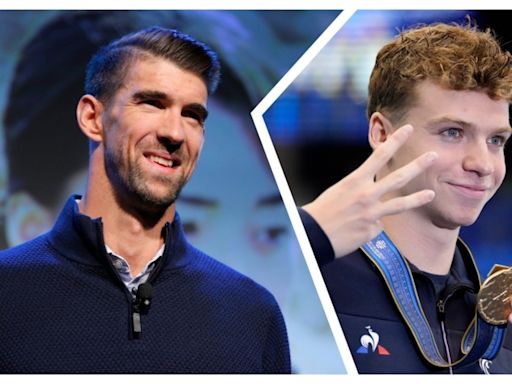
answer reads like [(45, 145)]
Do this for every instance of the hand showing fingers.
[(349, 212), (382, 154), (400, 178)]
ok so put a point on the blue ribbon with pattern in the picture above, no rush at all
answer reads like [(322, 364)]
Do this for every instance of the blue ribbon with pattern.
[(481, 340)]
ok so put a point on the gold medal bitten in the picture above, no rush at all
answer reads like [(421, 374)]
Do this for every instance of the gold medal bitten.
[(494, 298)]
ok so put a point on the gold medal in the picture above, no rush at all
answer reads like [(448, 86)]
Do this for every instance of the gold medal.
[(494, 298)]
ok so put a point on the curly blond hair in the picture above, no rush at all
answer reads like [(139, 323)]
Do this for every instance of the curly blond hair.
[(459, 57)]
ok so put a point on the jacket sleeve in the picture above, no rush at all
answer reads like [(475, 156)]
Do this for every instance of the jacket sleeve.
[(320, 243)]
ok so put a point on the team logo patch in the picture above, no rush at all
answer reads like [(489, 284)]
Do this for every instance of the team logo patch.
[(370, 343)]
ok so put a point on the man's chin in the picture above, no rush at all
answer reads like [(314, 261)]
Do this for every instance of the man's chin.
[(470, 217), (453, 223), (158, 202), (151, 202)]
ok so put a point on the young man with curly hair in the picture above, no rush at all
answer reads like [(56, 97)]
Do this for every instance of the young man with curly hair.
[(438, 112)]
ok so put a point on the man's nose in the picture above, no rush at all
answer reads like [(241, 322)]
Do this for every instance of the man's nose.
[(479, 159), (172, 126)]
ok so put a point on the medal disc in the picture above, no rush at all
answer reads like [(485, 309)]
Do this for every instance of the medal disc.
[(494, 298)]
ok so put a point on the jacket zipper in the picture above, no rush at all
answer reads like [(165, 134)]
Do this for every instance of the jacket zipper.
[(134, 316), (135, 308), (442, 316)]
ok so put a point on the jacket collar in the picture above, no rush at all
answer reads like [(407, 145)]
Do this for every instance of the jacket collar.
[(463, 269), (80, 238)]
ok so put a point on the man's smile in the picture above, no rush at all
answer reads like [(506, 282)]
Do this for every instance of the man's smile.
[(163, 159)]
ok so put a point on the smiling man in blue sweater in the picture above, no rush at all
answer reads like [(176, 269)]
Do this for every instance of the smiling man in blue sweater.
[(115, 287)]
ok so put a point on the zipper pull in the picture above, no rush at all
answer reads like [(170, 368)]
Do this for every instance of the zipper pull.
[(137, 328)]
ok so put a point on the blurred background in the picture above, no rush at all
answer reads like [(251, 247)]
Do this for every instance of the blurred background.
[(231, 208), (319, 126)]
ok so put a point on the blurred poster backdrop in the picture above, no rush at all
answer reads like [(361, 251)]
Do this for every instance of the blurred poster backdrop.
[(319, 126), (231, 208)]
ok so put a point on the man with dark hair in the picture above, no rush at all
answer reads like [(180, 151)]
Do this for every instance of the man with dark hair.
[(438, 113), (105, 72), (115, 286)]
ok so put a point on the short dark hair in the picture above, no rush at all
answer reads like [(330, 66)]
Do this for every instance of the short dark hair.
[(52, 94), (105, 72)]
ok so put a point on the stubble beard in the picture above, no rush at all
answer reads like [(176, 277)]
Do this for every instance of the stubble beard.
[(139, 187), (131, 185)]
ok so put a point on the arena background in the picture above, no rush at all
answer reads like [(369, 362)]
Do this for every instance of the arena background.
[(231, 208), (319, 125)]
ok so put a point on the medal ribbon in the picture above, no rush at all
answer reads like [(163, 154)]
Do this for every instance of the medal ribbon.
[(481, 340)]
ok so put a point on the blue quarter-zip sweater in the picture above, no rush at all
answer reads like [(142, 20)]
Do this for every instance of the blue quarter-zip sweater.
[(64, 310)]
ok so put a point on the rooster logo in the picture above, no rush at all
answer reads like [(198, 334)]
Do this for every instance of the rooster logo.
[(370, 343)]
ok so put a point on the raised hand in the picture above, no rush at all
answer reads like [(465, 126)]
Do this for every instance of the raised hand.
[(349, 212)]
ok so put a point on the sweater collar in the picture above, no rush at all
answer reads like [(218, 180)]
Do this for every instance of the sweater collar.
[(80, 238)]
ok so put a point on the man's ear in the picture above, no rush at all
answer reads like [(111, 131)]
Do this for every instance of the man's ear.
[(89, 113), (379, 129)]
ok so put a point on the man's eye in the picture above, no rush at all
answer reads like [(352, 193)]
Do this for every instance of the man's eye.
[(497, 140), (452, 133), (193, 115), (153, 103)]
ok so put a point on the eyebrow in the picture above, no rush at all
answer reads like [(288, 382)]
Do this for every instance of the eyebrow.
[(162, 96), (147, 94), (463, 123)]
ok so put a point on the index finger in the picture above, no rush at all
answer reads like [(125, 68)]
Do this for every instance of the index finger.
[(384, 152)]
